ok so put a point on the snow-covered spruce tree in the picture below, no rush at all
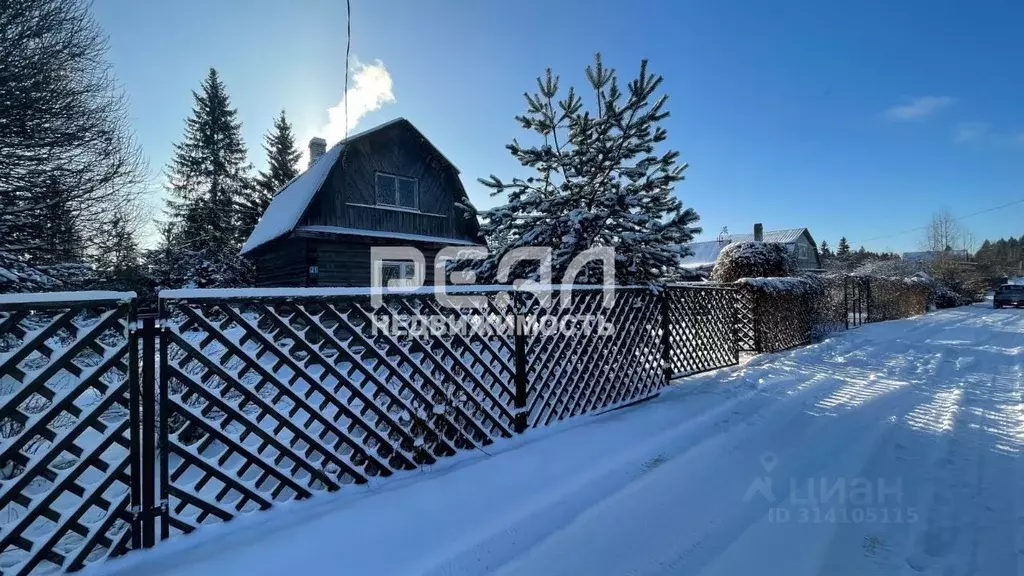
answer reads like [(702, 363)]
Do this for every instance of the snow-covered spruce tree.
[(282, 167), (208, 182), (753, 260), (597, 181)]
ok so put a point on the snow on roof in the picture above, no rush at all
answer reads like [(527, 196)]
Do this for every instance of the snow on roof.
[(781, 236), (288, 205), (386, 234), (291, 202), (706, 253), (59, 297), (703, 253)]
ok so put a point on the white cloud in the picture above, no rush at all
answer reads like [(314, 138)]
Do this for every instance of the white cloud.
[(919, 108), (370, 88), (970, 132)]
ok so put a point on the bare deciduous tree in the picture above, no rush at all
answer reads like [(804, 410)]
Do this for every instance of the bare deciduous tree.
[(65, 142), (942, 232)]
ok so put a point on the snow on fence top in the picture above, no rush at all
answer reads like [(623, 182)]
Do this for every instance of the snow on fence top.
[(278, 293), (62, 297)]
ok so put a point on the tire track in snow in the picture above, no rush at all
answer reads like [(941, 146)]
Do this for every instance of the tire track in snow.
[(959, 528), (691, 550), (563, 504), (836, 453), (874, 546), (705, 536)]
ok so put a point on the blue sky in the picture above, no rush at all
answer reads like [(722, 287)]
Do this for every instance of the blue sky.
[(850, 118)]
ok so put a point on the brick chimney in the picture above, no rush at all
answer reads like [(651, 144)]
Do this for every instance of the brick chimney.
[(758, 232), (317, 148)]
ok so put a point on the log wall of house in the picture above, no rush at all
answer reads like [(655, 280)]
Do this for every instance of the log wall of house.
[(280, 263), (346, 261)]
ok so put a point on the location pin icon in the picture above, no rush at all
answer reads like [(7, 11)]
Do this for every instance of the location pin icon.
[(768, 461)]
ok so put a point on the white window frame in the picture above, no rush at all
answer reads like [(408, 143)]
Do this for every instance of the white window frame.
[(396, 178), (404, 268)]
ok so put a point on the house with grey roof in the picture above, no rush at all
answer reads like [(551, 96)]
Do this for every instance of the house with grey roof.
[(798, 241)]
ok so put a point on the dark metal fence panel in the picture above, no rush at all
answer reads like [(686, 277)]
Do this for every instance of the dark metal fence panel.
[(68, 469), (746, 321), (269, 400), (701, 324), (570, 373)]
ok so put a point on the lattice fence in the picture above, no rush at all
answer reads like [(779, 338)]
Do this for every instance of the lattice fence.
[(67, 459), (569, 374), (746, 321), (700, 325), (270, 400)]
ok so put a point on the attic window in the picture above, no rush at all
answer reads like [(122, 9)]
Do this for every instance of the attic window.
[(396, 191)]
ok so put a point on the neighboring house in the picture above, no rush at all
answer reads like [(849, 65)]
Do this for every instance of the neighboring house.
[(798, 241), (387, 186), (930, 255)]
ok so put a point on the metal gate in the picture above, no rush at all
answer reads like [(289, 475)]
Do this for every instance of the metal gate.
[(857, 299)]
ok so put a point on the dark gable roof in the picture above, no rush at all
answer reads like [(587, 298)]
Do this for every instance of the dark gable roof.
[(288, 205)]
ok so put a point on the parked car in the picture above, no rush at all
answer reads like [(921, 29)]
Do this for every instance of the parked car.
[(1008, 295)]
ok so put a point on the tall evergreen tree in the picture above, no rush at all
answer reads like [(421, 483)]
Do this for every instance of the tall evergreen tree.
[(282, 166), (597, 180), (843, 250), (209, 174), (118, 258), (825, 251), (208, 183)]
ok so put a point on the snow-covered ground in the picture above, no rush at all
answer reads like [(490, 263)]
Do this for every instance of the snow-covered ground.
[(891, 449)]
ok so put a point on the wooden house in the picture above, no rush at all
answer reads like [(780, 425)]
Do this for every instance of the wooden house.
[(798, 242), (387, 186)]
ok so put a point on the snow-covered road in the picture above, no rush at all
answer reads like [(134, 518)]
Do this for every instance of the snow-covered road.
[(891, 449)]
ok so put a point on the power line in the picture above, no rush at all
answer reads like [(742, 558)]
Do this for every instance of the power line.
[(919, 228), (348, 49)]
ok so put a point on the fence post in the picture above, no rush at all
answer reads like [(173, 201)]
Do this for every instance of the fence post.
[(520, 363), (868, 281), (148, 430), (846, 300), (136, 427), (165, 447), (666, 342)]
